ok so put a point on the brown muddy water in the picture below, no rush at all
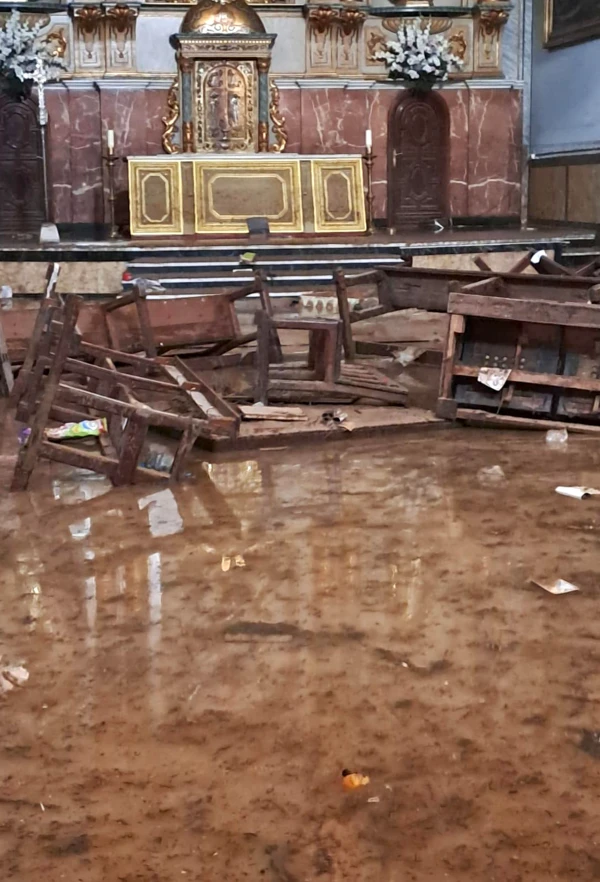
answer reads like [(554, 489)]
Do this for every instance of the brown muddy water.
[(206, 659)]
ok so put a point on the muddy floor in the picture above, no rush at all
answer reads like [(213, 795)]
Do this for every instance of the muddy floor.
[(205, 660)]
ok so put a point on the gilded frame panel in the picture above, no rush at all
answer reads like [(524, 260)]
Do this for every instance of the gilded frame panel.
[(570, 21), (204, 207), (318, 170), (174, 189)]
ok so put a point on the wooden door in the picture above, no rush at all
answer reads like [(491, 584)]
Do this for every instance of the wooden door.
[(418, 160), (21, 172)]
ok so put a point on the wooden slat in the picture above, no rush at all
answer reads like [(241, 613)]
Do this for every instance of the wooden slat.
[(456, 326), (344, 311), (542, 312), (483, 417), (583, 384), (29, 453), (7, 381)]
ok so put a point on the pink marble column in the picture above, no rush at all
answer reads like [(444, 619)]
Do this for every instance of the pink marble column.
[(59, 154), (86, 163)]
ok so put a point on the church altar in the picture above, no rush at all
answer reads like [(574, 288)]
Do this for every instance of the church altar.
[(224, 139), (208, 193)]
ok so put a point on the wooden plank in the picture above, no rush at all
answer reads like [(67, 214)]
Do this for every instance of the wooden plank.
[(542, 312), (550, 267), (502, 421), (7, 380), (281, 414), (344, 311), (103, 404), (132, 442), (362, 315), (522, 264), (456, 326), (317, 387), (193, 381), (82, 368), (261, 392), (583, 384), (367, 278), (490, 287), (482, 264), (85, 459), (188, 439), (29, 452)]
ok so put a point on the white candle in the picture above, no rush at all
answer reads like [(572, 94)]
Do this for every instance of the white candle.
[(110, 140), (369, 140)]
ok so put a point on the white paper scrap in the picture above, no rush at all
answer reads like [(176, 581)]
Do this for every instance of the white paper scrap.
[(560, 586), (494, 378), (578, 492)]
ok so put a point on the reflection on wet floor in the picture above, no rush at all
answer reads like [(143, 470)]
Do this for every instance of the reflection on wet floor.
[(206, 658)]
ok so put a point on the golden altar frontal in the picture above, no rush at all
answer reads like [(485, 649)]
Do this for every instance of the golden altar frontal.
[(214, 194)]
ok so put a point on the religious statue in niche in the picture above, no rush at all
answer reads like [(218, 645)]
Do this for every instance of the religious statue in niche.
[(571, 21)]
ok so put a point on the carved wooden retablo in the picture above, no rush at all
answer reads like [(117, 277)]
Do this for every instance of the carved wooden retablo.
[(222, 100)]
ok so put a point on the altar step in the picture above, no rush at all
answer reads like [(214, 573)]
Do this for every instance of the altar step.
[(285, 272)]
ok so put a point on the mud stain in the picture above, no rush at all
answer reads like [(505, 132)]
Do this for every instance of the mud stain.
[(182, 722)]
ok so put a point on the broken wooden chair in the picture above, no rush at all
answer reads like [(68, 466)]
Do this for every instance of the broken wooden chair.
[(105, 391), (325, 377), (352, 347)]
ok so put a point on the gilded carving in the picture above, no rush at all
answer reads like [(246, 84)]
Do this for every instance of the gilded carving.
[(374, 42), (226, 105), (322, 18), (349, 23), (121, 35), (187, 137), (278, 122), (263, 137), (89, 38), (57, 42), (170, 120), (490, 25), (88, 19), (458, 44), (334, 38), (437, 25)]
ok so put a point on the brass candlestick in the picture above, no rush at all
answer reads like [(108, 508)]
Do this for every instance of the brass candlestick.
[(111, 160), (368, 159)]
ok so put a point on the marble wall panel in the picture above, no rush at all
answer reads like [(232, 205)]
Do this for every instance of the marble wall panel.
[(494, 153), (85, 149), (59, 153), (458, 105), (485, 153), (290, 103)]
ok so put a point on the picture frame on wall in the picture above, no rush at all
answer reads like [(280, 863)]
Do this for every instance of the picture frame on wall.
[(571, 21)]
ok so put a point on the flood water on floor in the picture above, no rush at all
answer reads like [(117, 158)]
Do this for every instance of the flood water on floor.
[(206, 659)]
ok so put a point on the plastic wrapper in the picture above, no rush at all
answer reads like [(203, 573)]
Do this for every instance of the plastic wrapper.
[(84, 429)]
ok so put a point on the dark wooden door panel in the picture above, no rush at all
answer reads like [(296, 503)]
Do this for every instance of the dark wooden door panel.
[(21, 173), (418, 160)]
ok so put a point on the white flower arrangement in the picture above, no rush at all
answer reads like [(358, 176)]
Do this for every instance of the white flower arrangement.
[(24, 55), (418, 56)]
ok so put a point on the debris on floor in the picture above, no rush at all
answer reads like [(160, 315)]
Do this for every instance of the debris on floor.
[(12, 676), (578, 492), (560, 586), (352, 780)]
